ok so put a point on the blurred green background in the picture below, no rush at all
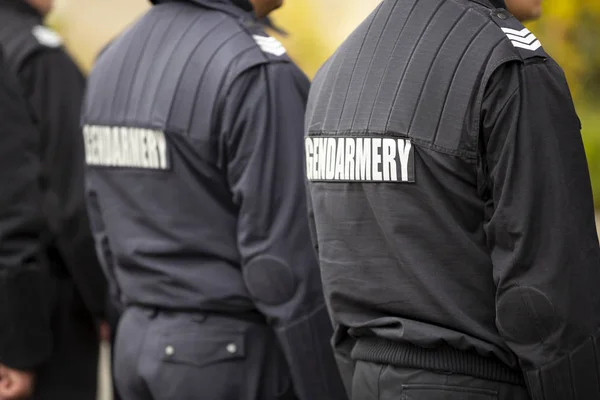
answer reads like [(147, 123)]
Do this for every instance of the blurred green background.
[(569, 31)]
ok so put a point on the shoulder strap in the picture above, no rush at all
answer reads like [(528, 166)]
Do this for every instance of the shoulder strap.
[(20, 41)]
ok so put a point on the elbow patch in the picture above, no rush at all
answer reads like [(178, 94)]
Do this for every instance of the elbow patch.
[(270, 280), (526, 316)]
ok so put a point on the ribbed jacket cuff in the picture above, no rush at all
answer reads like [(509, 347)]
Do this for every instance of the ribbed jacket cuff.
[(439, 359)]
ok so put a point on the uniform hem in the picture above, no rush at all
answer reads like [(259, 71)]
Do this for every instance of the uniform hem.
[(447, 360)]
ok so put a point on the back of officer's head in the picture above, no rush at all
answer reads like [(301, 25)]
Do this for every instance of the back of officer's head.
[(525, 10), (42, 6), (262, 8)]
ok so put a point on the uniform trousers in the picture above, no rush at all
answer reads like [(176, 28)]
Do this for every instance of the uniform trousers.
[(166, 355)]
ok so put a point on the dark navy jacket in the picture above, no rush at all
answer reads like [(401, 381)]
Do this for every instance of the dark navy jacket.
[(26, 337), (452, 201), (193, 129), (54, 88)]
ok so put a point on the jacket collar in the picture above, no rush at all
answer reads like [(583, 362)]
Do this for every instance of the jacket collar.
[(498, 3), (22, 7), (491, 3), (238, 8)]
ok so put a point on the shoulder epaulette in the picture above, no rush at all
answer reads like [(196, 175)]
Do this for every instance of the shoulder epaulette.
[(46, 36), (524, 42)]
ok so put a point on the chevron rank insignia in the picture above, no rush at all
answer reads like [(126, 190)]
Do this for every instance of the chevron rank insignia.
[(46, 36), (522, 39), (270, 45)]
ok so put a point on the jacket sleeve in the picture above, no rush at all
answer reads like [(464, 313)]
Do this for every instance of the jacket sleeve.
[(541, 231), (264, 140), (114, 307), (25, 285), (55, 88)]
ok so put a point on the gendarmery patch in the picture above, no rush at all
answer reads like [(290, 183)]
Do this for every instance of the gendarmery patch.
[(359, 159), (125, 147)]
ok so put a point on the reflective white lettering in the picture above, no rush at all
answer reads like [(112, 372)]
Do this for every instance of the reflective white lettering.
[(339, 160), (115, 141), (161, 144), (308, 144), (389, 160), (125, 147), (330, 158), (359, 159), (363, 159), (376, 159), (404, 150), (322, 157), (349, 168)]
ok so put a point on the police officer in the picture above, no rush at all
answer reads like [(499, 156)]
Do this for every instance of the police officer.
[(54, 87), (25, 336), (525, 10), (453, 209), (193, 120)]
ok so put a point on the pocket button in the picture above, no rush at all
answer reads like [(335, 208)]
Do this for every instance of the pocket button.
[(231, 348), (169, 350)]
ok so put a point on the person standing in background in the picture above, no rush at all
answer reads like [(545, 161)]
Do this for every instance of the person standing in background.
[(26, 288), (54, 87), (193, 120), (452, 209)]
